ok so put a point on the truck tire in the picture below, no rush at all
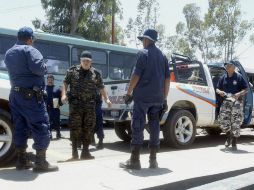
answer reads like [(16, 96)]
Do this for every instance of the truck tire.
[(179, 130), (123, 131), (7, 150), (213, 131)]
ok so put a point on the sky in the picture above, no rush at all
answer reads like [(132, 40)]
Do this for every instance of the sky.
[(22, 12)]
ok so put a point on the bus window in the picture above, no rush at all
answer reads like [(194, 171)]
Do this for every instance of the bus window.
[(121, 65), (56, 56), (5, 44), (99, 60)]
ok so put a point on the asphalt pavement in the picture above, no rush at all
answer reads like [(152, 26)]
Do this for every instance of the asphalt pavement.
[(206, 165)]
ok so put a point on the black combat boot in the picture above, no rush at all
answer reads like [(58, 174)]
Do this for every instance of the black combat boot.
[(58, 134), (92, 140), (100, 144), (41, 164), (23, 162), (133, 162), (229, 139), (234, 142), (85, 154), (152, 158)]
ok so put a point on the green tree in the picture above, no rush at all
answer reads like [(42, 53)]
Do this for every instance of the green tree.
[(224, 19), (88, 18), (147, 17)]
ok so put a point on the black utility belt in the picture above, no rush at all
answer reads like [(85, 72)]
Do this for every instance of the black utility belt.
[(28, 93)]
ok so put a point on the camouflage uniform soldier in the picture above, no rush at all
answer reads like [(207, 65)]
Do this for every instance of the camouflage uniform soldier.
[(83, 80), (232, 87)]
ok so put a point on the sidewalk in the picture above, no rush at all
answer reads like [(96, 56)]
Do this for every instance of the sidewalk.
[(104, 173)]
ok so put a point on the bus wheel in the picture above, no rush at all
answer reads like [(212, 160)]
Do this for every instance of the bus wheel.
[(123, 131), (213, 131), (180, 129), (7, 150)]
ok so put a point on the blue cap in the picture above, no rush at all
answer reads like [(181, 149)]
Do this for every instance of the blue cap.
[(26, 32), (151, 34), (229, 63)]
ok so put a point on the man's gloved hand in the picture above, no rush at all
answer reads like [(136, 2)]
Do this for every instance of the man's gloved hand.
[(165, 106), (127, 98)]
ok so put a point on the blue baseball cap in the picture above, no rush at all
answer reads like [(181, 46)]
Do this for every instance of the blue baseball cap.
[(26, 32), (229, 63), (150, 34)]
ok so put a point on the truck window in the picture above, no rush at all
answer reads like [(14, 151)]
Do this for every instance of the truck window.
[(190, 72), (216, 73)]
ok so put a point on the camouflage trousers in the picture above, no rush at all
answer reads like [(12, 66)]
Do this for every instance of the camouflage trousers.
[(231, 117), (82, 123)]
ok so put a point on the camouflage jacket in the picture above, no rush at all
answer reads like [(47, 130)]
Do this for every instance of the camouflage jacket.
[(84, 85)]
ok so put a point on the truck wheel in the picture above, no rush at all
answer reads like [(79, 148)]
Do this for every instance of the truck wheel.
[(123, 131), (213, 131), (7, 150), (180, 129)]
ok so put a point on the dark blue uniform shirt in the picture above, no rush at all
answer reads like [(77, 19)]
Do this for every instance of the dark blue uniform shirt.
[(233, 84), (152, 68), (52, 92), (25, 66)]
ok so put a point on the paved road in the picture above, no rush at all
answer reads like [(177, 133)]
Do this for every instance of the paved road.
[(205, 165)]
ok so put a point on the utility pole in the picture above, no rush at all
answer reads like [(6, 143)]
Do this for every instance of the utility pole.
[(113, 23)]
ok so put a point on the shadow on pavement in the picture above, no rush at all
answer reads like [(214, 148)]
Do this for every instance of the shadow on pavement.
[(147, 172), (198, 181), (14, 175), (200, 142), (238, 151)]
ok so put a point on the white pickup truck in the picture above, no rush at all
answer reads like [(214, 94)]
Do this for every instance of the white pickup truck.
[(192, 102)]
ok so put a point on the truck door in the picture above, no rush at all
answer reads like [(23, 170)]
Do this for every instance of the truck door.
[(191, 79), (248, 104)]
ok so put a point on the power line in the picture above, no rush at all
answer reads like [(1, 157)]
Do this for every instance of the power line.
[(2, 10)]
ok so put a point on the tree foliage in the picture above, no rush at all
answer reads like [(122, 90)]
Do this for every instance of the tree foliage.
[(147, 17), (214, 37), (88, 18), (224, 18)]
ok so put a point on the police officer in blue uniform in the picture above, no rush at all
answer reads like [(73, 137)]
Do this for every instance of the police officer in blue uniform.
[(150, 85), (53, 103), (232, 88), (26, 69)]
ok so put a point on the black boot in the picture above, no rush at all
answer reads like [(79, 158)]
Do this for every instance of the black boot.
[(41, 164), (234, 142), (22, 161), (92, 140), (133, 162), (85, 154), (152, 158), (100, 144), (58, 134), (229, 139)]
